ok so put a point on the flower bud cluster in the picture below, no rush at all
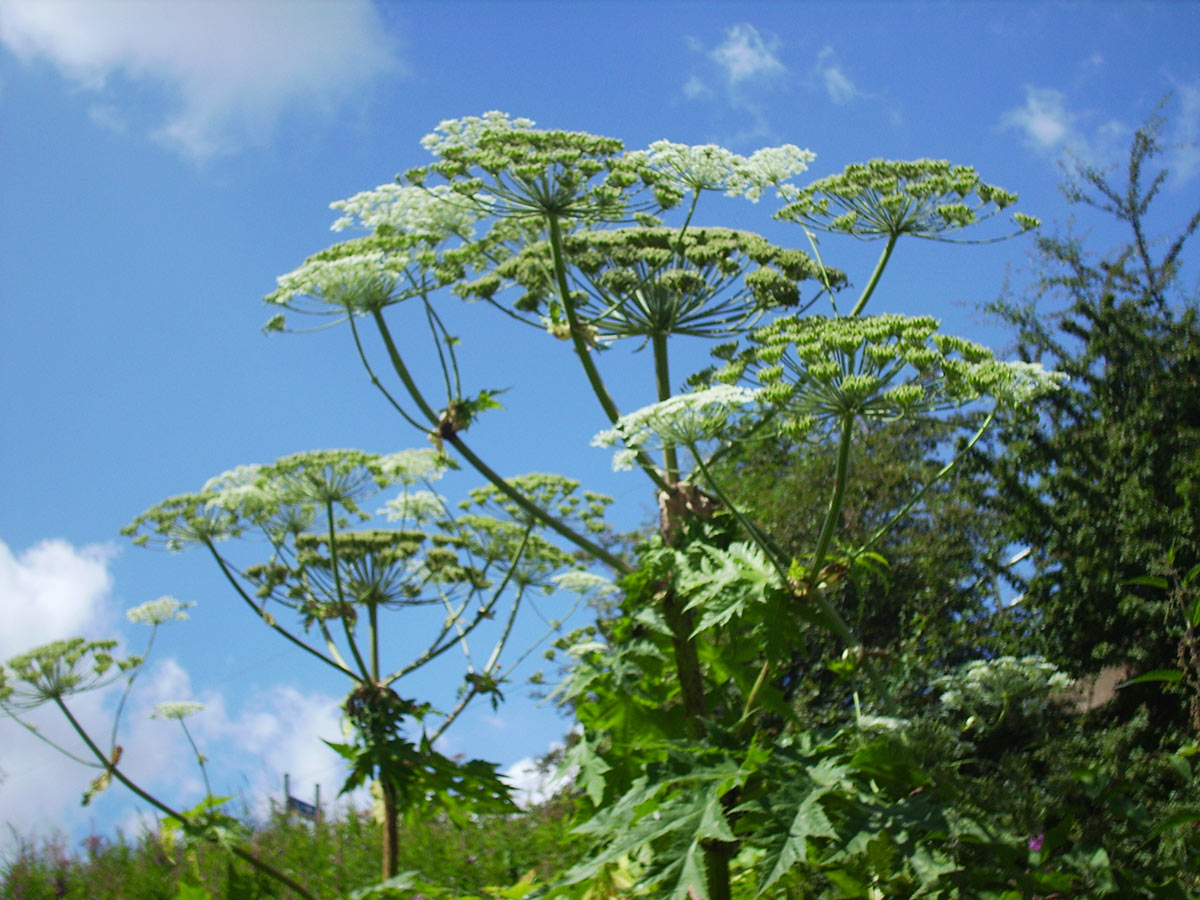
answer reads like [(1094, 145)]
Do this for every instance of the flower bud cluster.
[(926, 198), (651, 281), (815, 368)]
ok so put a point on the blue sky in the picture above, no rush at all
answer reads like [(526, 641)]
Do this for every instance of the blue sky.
[(162, 163)]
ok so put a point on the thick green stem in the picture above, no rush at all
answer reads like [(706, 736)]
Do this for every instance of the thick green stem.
[(373, 622), (551, 522), (875, 276), (579, 339), (263, 866), (814, 592), (841, 479), (687, 663), (390, 861), (662, 379), (716, 864)]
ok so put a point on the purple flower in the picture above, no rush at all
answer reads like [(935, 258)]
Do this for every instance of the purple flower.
[(1035, 842)]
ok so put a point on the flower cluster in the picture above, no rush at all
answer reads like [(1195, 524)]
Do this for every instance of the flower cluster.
[(431, 214), (156, 612), (453, 134), (708, 167), (409, 467), (817, 369), (582, 582), (638, 282), (685, 419), (178, 709), (506, 168), (926, 198), (986, 691), (59, 669), (415, 506), (353, 277)]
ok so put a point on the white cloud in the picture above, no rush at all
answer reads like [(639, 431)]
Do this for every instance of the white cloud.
[(741, 66), (1051, 127), (838, 86), (230, 69), (279, 730), (745, 55), (1044, 119), (531, 785), (50, 592)]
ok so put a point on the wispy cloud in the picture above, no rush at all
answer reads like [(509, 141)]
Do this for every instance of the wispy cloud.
[(745, 55), (1051, 127), (739, 69), (230, 70), (1044, 119), (837, 84)]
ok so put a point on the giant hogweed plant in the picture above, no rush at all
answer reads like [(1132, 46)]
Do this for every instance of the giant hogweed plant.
[(704, 779)]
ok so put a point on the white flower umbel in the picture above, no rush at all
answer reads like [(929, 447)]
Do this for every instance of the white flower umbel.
[(418, 506), (433, 213), (242, 490), (177, 709), (466, 132), (709, 167), (985, 691), (156, 612), (358, 282), (410, 467), (582, 582), (685, 419), (1017, 383)]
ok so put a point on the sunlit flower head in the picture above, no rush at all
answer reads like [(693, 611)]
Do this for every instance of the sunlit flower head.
[(179, 709), (432, 214), (685, 419), (355, 282), (412, 466), (156, 612), (466, 132), (709, 167), (582, 582), (417, 506)]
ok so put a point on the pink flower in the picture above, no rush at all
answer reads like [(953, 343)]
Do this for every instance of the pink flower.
[(1035, 842)]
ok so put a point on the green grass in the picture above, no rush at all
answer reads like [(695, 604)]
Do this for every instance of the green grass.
[(331, 858)]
